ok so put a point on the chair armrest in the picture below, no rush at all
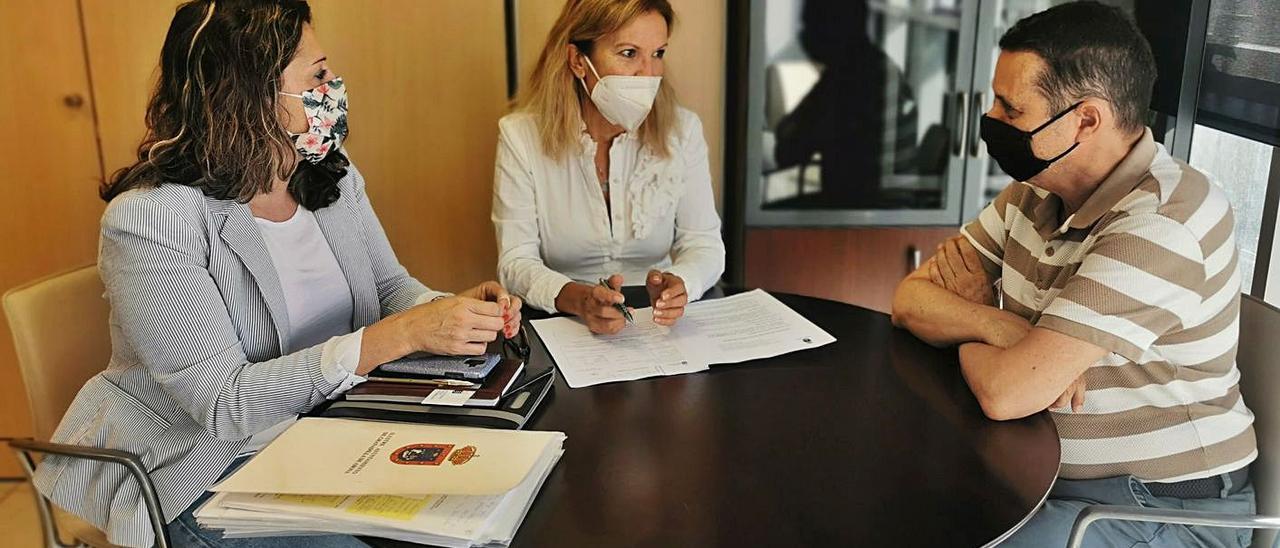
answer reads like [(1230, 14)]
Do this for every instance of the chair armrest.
[(1161, 515), (130, 461), (117, 456)]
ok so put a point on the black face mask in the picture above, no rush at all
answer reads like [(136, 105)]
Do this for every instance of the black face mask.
[(1011, 147)]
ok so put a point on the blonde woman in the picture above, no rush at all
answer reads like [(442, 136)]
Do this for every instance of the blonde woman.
[(600, 174)]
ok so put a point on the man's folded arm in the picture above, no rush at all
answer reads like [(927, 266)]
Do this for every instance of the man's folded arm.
[(1027, 377), (929, 302)]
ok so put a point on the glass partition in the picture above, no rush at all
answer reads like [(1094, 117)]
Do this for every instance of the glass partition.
[(860, 111)]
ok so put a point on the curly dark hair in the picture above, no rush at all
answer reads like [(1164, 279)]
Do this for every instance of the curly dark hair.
[(212, 120)]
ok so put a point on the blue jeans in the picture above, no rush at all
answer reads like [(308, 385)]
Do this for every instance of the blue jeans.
[(184, 532), (1051, 525)]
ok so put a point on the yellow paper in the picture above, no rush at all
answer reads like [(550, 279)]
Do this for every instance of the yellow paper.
[(389, 506), (319, 501)]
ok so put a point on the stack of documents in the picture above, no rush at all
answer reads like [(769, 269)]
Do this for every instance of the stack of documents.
[(512, 412), (747, 326), (439, 485), (406, 390)]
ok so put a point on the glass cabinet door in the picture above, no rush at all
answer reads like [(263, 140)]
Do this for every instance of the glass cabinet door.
[(858, 111)]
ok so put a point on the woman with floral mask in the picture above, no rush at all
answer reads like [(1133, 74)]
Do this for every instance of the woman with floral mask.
[(248, 276), (600, 175)]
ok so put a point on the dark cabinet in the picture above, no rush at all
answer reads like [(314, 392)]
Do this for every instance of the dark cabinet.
[(860, 266)]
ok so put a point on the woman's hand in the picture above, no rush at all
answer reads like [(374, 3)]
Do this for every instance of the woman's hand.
[(494, 292), (453, 326), (594, 304), (668, 295)]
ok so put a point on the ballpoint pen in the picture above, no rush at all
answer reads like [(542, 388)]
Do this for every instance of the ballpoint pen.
[(451, 382), (620, 306)]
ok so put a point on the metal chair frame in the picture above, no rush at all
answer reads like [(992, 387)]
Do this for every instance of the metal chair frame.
[(25, 447)]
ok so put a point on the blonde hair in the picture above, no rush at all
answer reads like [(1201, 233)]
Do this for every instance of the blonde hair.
[(553, 94)]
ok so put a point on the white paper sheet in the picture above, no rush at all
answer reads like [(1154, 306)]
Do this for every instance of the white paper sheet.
[(447, 396), (642, 350), (746, 326)]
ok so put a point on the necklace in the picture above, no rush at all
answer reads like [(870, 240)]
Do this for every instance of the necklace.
[(603, 177)]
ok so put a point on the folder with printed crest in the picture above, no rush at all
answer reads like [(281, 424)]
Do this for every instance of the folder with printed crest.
[(438, 485)]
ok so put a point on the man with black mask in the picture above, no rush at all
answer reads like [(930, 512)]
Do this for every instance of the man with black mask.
[(1119, 290)]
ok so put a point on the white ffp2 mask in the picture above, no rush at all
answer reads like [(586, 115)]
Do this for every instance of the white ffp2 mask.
[(623, 100)]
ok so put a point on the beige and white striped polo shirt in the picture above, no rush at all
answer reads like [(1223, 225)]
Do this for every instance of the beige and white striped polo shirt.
[(1146, 269)]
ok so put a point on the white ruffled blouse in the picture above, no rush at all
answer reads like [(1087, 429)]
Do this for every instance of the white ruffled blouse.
[(553, 225)]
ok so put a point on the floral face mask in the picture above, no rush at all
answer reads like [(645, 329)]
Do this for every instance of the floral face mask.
[(326, 109)]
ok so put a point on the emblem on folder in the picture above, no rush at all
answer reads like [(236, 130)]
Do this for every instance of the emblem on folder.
[(461, 456), (422, 454)]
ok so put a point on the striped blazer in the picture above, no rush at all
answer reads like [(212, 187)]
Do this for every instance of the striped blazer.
[(201, 356)]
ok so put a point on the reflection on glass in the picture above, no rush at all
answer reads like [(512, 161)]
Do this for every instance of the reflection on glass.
[(855, 103), (1240, 83)]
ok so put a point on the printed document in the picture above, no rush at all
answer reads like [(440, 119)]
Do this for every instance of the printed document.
[(746, 326)]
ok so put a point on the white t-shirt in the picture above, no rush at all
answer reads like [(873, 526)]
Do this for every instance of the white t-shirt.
[(315, 290), (318, 299)]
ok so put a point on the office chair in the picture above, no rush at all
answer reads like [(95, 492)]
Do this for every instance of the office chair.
[(60, 331), (1259, 378)]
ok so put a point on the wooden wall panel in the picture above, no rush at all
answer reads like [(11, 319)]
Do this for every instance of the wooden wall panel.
[(533, 21), (124, 39), (695, 62), (860, 266), (427, 82), (696, 65), (50, 169)]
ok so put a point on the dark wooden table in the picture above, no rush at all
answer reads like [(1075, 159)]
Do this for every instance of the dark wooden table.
[(871, 441)]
